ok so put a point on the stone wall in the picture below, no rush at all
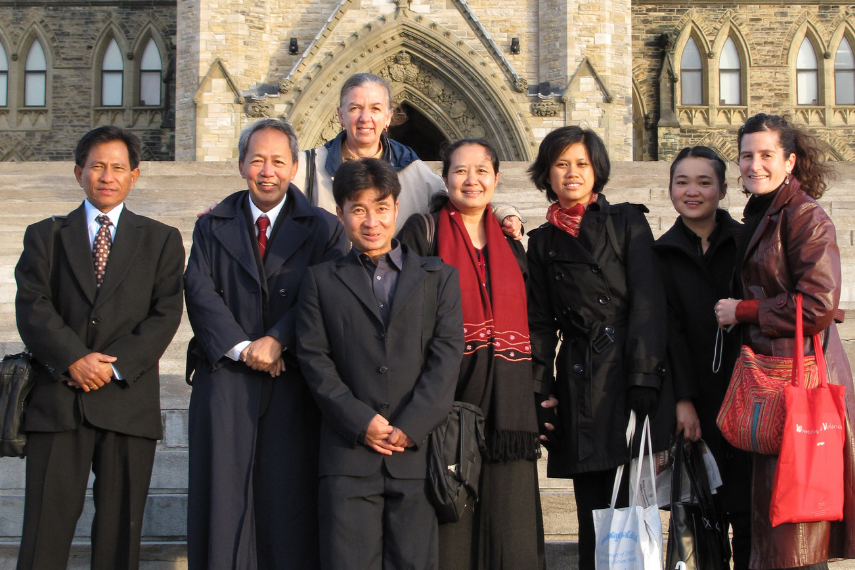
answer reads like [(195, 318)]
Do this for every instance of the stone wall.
[(768, 37), (573, 67), (74, 35)]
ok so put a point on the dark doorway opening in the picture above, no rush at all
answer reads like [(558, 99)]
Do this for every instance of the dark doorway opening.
[(419, 133)]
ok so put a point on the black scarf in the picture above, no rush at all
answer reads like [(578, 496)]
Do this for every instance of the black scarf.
[(754, 212)]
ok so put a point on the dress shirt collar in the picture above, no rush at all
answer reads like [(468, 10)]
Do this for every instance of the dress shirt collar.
[(272, 214), (92, 212), (395, 256)]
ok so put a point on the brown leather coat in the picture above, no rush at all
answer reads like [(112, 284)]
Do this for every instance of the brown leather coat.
[(794, 249)]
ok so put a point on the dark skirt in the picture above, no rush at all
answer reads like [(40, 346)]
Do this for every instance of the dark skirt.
[(504, 529)]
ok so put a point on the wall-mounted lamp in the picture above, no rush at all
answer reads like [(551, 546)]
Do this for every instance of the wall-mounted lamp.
[(515, 45), (293, 47)]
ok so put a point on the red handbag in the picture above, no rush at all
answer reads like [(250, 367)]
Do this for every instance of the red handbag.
[(808, 483), (753, 412)]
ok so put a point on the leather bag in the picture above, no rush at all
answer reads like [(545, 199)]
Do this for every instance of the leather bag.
[(697, 535), (753, 412), (809, 477), (17, 377), (454, 461)]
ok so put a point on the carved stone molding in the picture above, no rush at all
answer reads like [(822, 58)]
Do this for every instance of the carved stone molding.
[(545, 109), (329, 132), (405, 68), (285, 85), (35, 119), (146, 118), (259, 109), (113, 116)]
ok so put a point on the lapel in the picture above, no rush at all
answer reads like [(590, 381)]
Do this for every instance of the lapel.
[(409, 281), (122, 254), (784, 195), (291, 234), (233, 233), (593, 225), (75, 242), (352, 274)]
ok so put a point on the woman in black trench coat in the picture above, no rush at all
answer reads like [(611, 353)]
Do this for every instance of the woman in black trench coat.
[(697, 256), (593, 279)]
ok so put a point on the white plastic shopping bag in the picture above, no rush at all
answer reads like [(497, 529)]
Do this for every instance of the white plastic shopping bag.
[(629, 538), (658, 490)]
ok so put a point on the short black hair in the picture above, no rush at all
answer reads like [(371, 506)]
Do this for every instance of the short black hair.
[(554, 144), (718, 164), (485, 144), (355, 176), (108, 134), (283, 127)]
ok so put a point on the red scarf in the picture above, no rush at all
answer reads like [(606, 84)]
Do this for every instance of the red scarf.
[(568, 219), (496, 370)]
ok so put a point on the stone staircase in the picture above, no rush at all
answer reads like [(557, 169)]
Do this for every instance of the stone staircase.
[(174, 193)]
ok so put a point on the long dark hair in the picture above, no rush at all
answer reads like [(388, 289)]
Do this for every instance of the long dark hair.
[(718, 163), (811, 169)]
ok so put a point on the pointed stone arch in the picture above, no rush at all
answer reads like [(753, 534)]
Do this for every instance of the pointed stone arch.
[(435, 71), (723, 146)]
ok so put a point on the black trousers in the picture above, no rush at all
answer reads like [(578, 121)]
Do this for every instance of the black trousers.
[(58, 466), (376, 523), (592, 491)]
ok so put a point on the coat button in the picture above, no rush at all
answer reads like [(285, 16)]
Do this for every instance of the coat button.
[(221, 291), (610, 330), (96, 320), (283, 293), (384, 406), (603, 300), (381, 336), (578, 368), (382, 370), (661, 369), (564, 311), (558, 276), (552, 253), (595, 269)]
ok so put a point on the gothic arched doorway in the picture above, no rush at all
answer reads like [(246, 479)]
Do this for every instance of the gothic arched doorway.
[(419, 133)]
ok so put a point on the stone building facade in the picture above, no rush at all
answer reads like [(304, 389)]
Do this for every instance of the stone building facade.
[(650, 77), (52, 74)]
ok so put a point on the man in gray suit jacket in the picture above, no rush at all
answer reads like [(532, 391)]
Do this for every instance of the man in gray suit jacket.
[(381, 387), (98, 301)]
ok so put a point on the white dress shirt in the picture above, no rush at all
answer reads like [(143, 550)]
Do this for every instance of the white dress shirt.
[(93, 226), (234, 353)]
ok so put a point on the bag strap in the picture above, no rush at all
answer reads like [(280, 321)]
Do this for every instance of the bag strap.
[(630, 433), (799, 350), (612, 235), (431, 286), (430, 231), (309, 188), (645, 438)]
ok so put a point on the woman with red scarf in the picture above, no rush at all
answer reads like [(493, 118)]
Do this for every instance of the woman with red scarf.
[(593, 281), (504, 528)]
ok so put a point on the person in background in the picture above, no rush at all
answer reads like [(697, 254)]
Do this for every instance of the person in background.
[(789, 246), (593, 279), (504, 528), (364, 113), (697, 256)]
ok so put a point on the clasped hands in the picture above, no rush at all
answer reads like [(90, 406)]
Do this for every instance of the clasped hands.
[(91, 372), (385, 438), (265, 355)]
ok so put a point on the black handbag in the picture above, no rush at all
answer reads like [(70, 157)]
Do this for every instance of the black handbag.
[(697, 535), (454, 461), (17, 377)]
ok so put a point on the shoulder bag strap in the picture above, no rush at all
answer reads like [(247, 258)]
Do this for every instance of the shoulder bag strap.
[(309, 187), (431, 286), (610, 230)]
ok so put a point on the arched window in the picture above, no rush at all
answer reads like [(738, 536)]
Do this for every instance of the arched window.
[(111, 76), (730, 78), (807, 76), (150, 78), (35, 76), (691, 75), (4, 77), (844, 74)]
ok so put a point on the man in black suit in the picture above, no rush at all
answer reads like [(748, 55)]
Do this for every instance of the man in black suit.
[(253, 424), (382, 387), (98, 301)]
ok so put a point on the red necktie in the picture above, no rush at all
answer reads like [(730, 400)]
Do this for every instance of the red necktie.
[(263, 222)]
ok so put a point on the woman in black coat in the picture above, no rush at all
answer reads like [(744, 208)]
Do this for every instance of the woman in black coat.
[(697, 256), (593, 280), (504, 529)]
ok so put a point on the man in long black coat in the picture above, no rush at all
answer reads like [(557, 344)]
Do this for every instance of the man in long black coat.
[(98, 301), (381, 390), (253, 424)]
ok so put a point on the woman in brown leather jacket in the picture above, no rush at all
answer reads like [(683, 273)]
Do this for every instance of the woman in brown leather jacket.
[(789, 246)]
